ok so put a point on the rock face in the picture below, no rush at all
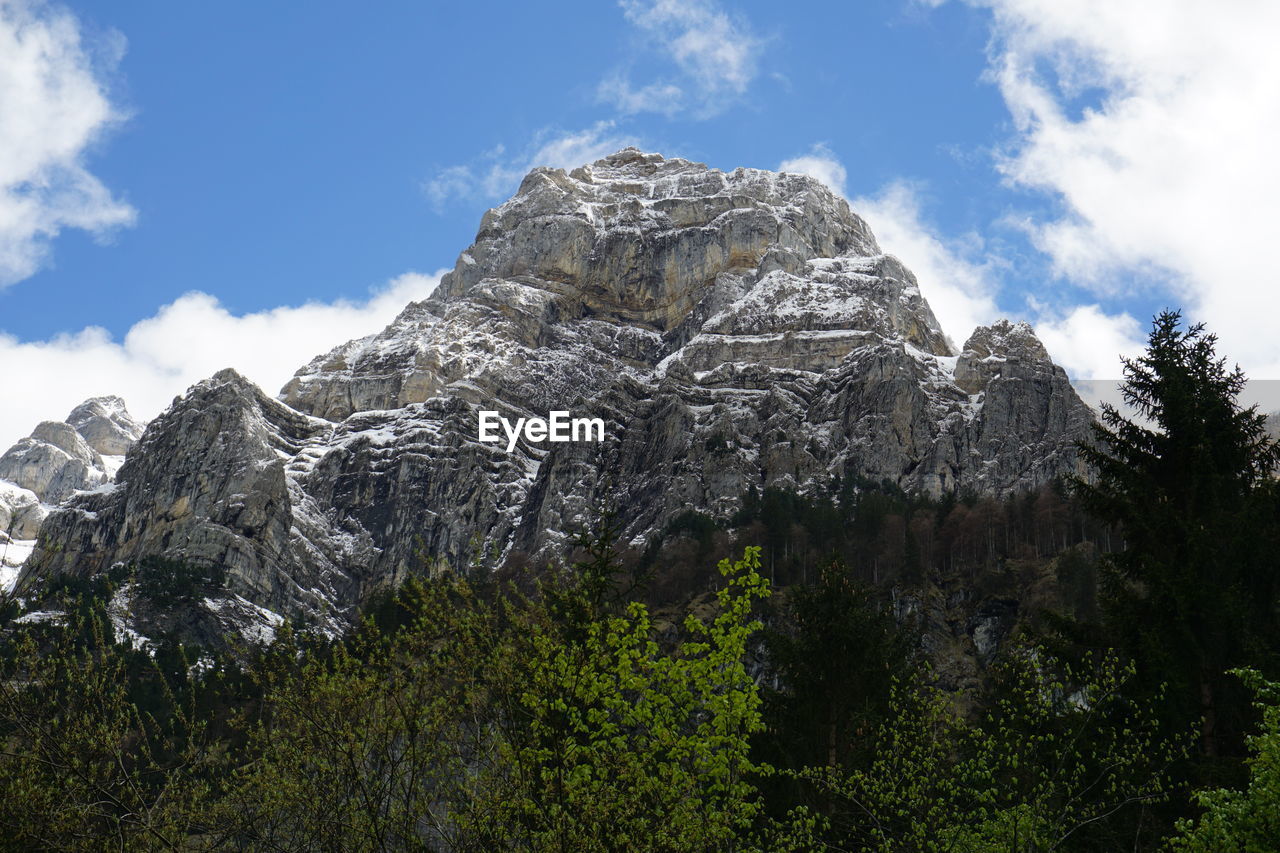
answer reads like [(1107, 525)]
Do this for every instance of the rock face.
[(82, 452), (105, 425), (54, 462), (733, 330), (20, 512)]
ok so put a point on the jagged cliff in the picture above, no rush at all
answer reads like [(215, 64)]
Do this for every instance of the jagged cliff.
[(58, 459), (733, 330)]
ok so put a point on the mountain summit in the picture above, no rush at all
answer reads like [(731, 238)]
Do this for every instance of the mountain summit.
[(734, 330)]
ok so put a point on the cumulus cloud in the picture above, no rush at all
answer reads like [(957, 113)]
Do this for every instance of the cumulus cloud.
[(497, 173), (959, 285), (822, 164), (184, 342), (1153, 124), (1088, 342), (959, 282), (54, 106), (713, 55)]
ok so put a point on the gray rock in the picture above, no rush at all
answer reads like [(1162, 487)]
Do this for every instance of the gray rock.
[(21, 513), (734, 330), (59, 459), (106, 425), (53, 462)]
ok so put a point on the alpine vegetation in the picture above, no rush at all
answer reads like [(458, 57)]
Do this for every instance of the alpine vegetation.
[(826, 581)]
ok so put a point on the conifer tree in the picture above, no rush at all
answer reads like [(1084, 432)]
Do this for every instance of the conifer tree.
[(1188, 482)]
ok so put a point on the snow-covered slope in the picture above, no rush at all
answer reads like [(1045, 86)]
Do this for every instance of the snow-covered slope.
[(57, 460), (734, 330)]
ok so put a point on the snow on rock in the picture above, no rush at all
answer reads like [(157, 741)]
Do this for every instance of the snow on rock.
[(106, 425), (37, 616), (21, 512), (59, 459), (257, 625), (120, 612), (734, 330)]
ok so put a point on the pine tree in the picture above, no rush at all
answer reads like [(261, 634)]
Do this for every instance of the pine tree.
[(1188, 482)]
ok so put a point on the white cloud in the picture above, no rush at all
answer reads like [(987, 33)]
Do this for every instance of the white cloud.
[(959, 283), (1088, 342), (660, 97), (496, 174), (53, 108), (1170, 176), (960, 287), (819, 163), (184, 342), (714, 56)]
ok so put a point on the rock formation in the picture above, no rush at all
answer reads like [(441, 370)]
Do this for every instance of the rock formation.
[(54, 462), (734, 330)]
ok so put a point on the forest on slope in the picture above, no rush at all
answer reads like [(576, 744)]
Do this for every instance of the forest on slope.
[(1086, 667)]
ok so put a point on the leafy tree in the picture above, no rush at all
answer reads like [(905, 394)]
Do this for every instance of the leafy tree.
[(82, 767), (1060, 751), (1194, 591), (834, 652), (613, 744), (1247, 821), (363, 745), (554, 722)]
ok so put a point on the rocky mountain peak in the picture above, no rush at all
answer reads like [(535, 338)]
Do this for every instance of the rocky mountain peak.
[(640, 238), (1004, 339), (647, 256), (1001, 349), (106, 425), (59, 459), (734, 331)]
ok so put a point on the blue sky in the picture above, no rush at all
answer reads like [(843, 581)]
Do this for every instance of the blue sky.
[(246, 184)]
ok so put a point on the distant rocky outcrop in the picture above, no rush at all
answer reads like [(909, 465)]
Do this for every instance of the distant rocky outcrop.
[(106, 425), (734, 330), (57, 460)]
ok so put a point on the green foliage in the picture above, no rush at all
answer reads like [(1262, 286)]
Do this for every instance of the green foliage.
[(1195, 590), (83, 767), (1059, 750), (167, 581), (1249, 820), (360, 748), (834, 652), (616, 744), (560, 721)]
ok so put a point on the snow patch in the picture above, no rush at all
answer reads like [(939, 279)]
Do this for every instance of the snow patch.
[(38, 616)]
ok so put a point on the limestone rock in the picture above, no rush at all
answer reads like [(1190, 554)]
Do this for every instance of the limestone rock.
[(734, 331), (53, 462), (106, 425), (20, 513)]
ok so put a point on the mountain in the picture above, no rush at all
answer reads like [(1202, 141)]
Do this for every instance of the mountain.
[(733, 331), (58, 459)]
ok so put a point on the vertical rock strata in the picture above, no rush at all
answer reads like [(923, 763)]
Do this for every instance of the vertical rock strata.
[(734, 330)]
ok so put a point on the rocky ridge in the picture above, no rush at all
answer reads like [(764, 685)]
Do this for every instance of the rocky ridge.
[(735, 330), (57, 460)]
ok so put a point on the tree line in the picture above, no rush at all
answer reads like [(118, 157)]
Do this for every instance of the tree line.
[(671, 699)]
